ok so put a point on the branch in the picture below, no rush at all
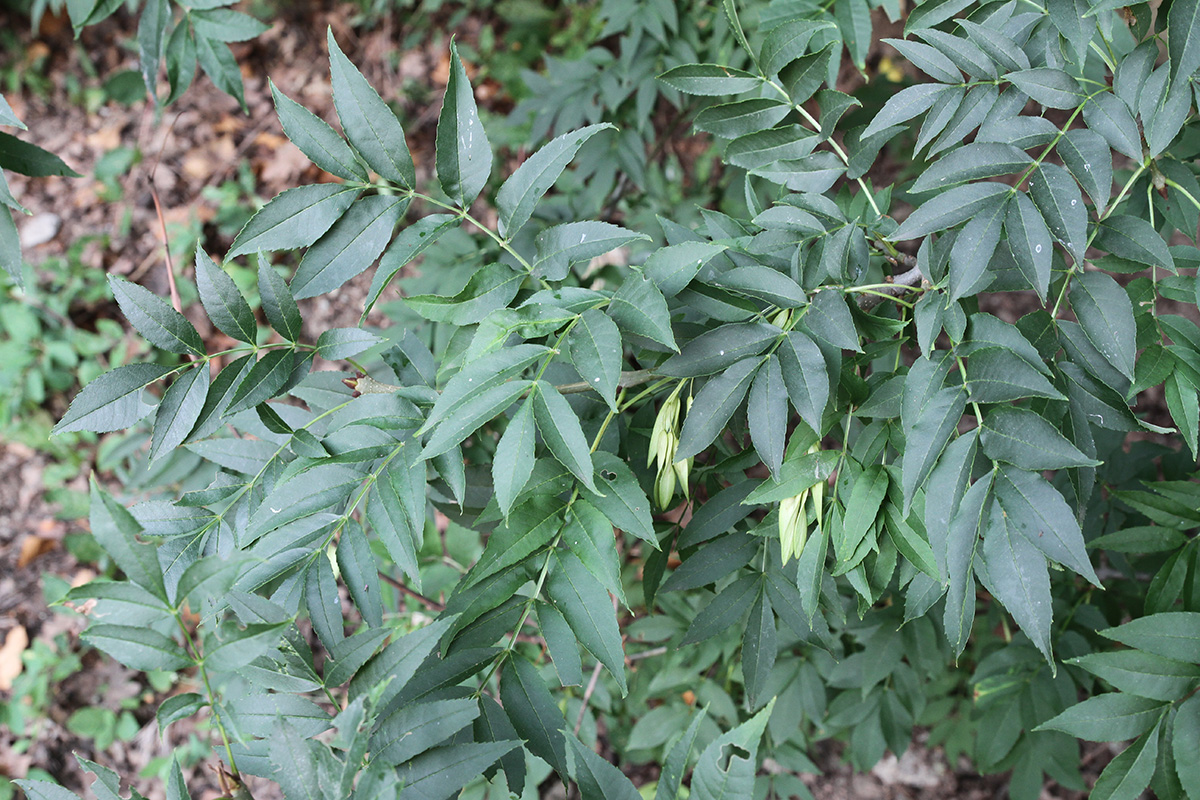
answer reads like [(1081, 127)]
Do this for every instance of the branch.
[(636, 377), (432, 605), (912, 277)]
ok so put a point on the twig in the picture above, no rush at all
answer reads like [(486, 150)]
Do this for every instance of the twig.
[(587, 696), (432, 605), (162, 221), (899, 283), (651, 653)]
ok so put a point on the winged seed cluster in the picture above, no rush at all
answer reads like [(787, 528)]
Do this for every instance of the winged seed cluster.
[(885, 479)]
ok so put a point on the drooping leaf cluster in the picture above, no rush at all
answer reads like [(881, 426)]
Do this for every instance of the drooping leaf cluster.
[(792, 452)]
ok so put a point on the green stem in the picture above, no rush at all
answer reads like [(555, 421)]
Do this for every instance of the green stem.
[(837, 148)]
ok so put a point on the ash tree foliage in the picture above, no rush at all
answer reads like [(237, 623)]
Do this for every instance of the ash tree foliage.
[(782, 478)]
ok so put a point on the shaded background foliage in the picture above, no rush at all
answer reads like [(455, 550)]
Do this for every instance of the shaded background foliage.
[(866, 440)]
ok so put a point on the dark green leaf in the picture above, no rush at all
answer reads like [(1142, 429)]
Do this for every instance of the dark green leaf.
[(1183, 42), (714, 405), (277, 302), (948, 209), (560, 430), (561, 644), (1043, 516), (1107, 718), (154, 318), (937, 421), (29, 159), (336, 343), (623, 502), (713, 562), (294, 218), (767, 413), (731, 120), (225, 305), (671, 777), (784, 43), (360, 573), (997, 375), (1018, 577), (1057, 196), (972, 162), (263, 381), (112, 401), (640, 308), (729, 607), (411, 242), (442, 771), (533, 712), (418, 727), (1134, 239), (589, 611), (672, 268), (138, 648), (962, 549), (152, 38), (1051, 87), (1127, 775), (520, 194), (1087, 156), (180, 408), (217, 61), (1105, 313), (710, 80), (513, 462), (562, 245), (1142, 674), (226, 25), (904, 105), (1024, 439), (717, 349), (116, 531), (804, 374), (369, 123), (1186, 741), (1170, 635), (319, 142), (594, 346), (972, 251), (726, 767), (220, 395), (350, 246), (240, 647), (1108, 116), (759, 646), (1029, 242), (464, 156), (597, 779)]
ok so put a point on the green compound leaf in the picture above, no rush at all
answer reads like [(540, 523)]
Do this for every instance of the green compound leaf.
[(294, 218), (464, 155), (113, 401), (714, 405), (560, 430), (319, 142), (709, 80), (1105, 313), (589, 611), (225, 305), (154, 318), (369, 123), (179, 410), (1111, 717), (594, 346), (350, 246), (519, 195)]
